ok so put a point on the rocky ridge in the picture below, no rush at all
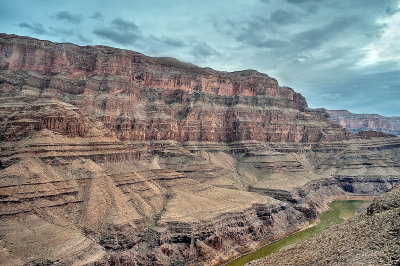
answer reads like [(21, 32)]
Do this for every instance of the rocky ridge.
[(366, 122), (137, 160)]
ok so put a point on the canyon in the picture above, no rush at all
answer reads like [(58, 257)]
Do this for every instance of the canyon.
[(112, 157), (364, 122)]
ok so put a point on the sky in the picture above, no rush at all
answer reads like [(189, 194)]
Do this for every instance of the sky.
[(340, 54)]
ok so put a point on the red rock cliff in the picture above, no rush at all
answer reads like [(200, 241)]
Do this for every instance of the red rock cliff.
[(144, 98)]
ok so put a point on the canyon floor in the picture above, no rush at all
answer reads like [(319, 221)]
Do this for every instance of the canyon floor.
[(108, 156)]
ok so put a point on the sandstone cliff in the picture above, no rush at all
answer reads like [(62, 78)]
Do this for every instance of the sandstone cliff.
[(143, 98), (109, 156), (364, 122)]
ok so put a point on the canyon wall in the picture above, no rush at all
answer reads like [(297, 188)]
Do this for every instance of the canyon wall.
[(143, 98), (364, 122), (109, 156)]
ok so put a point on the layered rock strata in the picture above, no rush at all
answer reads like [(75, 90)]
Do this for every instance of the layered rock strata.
[(364, 122), (143, 98), (137, 160)]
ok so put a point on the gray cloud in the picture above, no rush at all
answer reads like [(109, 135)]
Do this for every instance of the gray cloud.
[(121, 32), (311, 38), (62, 31), (260, 41), (128, 33), (303, 1), (283, 17), (261, 31), (97, 15), (172, 41), (123, 38), (84, 39), (202, 50), (392, 11), (124, 26), (68, 17), (33, 27), (317, 36), (289, 32)]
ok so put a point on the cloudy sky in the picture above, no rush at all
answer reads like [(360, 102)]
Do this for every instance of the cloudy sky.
[(340, 54)]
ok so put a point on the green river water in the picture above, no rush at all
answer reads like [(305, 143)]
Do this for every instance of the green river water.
[(339, 210)]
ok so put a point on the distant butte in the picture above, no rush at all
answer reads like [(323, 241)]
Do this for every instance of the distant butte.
[(364, 122)]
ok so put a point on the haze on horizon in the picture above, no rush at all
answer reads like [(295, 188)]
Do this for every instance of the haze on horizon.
[(339, 54)]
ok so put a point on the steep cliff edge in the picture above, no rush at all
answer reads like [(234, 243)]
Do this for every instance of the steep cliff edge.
[(364, 122), (110, 156)]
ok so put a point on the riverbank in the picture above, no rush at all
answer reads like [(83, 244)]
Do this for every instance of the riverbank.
[(371, 238), (336, 211)]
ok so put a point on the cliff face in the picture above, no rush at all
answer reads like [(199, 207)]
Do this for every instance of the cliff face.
[(143, 98), (364, 122), (108, 156)]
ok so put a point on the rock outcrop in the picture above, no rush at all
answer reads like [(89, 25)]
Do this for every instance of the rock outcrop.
[(109, 156), (366, 122)]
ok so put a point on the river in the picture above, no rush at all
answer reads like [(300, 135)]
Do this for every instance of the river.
[(339, 210)]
